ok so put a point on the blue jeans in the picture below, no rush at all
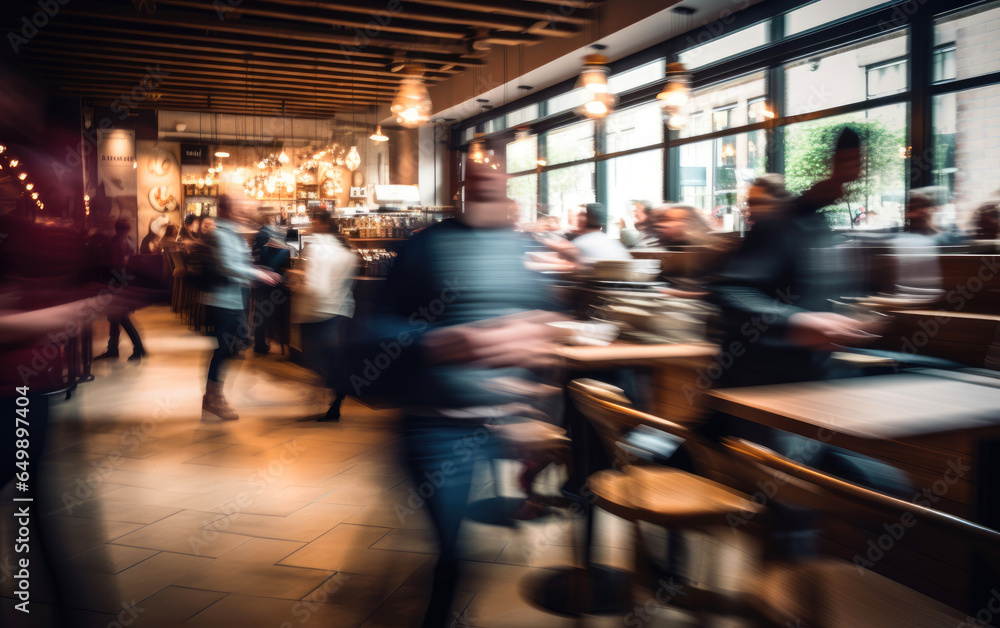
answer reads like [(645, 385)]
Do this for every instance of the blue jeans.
[(440, 459)]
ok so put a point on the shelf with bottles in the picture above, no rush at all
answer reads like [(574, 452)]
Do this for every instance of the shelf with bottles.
[(384, 227), (376, 262)]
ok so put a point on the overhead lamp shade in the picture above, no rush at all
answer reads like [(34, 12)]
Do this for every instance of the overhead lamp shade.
[(675, 95), (221, 153), (353, 159), (377, 136), (412, 103), (594, 75)]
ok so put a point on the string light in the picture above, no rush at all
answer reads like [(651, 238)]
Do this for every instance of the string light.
[(30, 187)]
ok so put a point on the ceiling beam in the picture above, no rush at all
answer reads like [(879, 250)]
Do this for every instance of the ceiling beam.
[(578, 14), (468, 14), (362, 70), (136, 72), (290, 31), (263, 46)]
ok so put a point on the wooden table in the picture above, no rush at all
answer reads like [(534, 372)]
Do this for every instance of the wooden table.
[(934, 425)]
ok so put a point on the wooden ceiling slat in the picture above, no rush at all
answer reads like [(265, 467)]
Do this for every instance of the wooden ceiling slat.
[(48, 62), (71, 42), (262, 28), (266, 46), (135, 71), (580, 13), (469, 14)]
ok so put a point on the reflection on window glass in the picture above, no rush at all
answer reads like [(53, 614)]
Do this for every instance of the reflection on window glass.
[(975, 35), (568, 188), (636, 77), (723, 47), (570, 143), (525, 114), (634, 128), (524, 191), (966, 159), (468, 134), (569, 100), (944, 64), (494, 125), (840, 77), (722, 118), (734, 95), (715, 176), (824, 12), (632, 177), (886, 78), (523, 154), (876, 199)]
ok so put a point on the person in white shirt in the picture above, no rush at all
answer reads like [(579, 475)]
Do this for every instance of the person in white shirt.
[(324, 303), (591, 242)]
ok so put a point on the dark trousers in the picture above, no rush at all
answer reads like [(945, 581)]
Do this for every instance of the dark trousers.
[(225, 328), (117, 324), (440, 461)]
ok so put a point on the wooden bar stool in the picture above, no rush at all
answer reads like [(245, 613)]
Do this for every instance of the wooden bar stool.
[(677, 500)]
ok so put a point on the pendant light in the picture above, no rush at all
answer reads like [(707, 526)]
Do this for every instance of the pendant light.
[(353, 160), (377, 136), (412, 103), (675, 95), (477, 149), (594, 79)]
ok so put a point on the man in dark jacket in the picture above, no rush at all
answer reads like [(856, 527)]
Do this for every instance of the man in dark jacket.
[(456, 337)]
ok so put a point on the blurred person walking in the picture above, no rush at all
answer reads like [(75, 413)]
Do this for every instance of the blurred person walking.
[(226, 270), (324, 304), (120, 249), (460, 329)]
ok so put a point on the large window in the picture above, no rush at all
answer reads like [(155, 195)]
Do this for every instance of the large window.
[(824, 12), (522, 154), (760, 105), (570, 143), (876, 199), (846, 75), (632, 177), (723, 105), (974, 39), (524, 191), (568, 188), (723, 47), (633, 128), (966, 160)]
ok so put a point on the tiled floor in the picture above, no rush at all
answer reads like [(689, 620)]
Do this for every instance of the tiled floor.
[(272, 520)]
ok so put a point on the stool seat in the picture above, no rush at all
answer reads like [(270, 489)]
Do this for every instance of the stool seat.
[(668, 497)]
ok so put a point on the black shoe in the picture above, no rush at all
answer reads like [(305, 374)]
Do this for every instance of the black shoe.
[(333, 414), (136, 356), (108, 355)]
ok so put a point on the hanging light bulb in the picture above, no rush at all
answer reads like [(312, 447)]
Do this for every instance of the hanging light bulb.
[(412, 103), (377, 135), (477, 149), (594, 75), (353, 160), (34, 195), (2, 148), (13, 163), (283, 158), (675, 96), (22, 176), (30, 187), (594, 78)]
